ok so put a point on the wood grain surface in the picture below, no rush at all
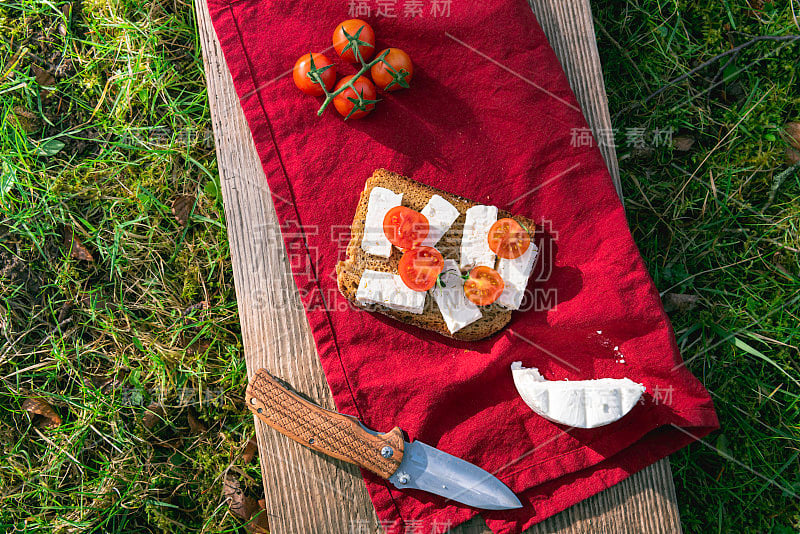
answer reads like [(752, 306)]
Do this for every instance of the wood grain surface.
[(307, 492), (325, 431), (569, 27)]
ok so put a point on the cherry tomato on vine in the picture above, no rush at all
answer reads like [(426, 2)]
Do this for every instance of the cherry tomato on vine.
[(321, 63), (483, 286), (404, 227), (354, 28), (347, 102), (396, 60), (508, 239), (420, 267)]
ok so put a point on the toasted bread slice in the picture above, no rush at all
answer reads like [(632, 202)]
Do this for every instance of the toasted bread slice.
[(415, 196)]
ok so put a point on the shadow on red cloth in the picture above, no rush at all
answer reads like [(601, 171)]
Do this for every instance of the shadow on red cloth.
[(423, 118)]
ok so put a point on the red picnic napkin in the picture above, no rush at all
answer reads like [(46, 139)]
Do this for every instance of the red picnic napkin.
[(490, 116)]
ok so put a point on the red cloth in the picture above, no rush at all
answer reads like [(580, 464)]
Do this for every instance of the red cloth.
[(499, 135)]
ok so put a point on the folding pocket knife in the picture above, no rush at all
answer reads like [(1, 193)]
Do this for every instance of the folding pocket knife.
[(407, 465)]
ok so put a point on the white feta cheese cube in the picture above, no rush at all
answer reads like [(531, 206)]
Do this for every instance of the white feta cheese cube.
[(374, 241), (441, 215), (456, 309), (388, 290), (474, 244), (515, 274)]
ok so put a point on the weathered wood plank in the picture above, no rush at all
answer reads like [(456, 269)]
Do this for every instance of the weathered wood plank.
[(305, 492), (569, 27), (643, 504), (310, 493)]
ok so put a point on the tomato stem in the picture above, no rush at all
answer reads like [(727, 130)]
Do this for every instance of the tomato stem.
[(455, 272), (398, 77), (365, 66)]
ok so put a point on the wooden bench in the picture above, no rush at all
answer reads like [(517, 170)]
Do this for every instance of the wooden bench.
[(306, 492)]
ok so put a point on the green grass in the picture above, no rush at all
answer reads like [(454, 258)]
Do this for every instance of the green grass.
[(124, 131), (706, 227), (102, 341)]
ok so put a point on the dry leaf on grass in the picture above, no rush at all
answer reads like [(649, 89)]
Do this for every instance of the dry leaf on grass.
[(680, 301), (43, 77), (683, 143), (202, 305), (244, 507), (198, 347), (250, 450), (182, 208), (46, 81), (195, 424), (64, 312), (63, 27), (42, 414), (153, 414), (777, 261), (105, 383), (77, 250), (28, 121), (792, 135)]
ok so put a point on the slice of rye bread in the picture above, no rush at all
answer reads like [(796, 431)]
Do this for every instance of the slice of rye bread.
[(415, 196)]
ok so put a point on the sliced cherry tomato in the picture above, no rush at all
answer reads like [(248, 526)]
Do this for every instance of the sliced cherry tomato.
[(305, 83), (395, 60), (404, 227), (355, 28), (508, 239), (420, 267), (348, 104), (483, 286)]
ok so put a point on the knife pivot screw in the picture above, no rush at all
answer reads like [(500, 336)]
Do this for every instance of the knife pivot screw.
[(310, 441), (387, 451), (260, 410), (403, 478), (253, 401)]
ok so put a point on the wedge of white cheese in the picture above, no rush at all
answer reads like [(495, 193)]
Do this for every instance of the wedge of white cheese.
[(441, 215), (579, 403), (457, 311), (515, 274), (374, 240), (388, 290), (475, 244)]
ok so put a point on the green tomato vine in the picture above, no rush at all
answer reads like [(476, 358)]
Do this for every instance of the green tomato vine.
[(359, 103)]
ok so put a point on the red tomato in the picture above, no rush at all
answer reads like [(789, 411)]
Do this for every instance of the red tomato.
[(420, 267), (404, 227), (347, 102), (483, 286), (508, 239), (354, 28), (396, 60), (305, 83)]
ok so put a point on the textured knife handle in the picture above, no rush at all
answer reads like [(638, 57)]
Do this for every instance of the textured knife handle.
[(331, 433)]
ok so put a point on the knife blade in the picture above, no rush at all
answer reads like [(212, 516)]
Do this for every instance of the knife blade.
[(413, 465)]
